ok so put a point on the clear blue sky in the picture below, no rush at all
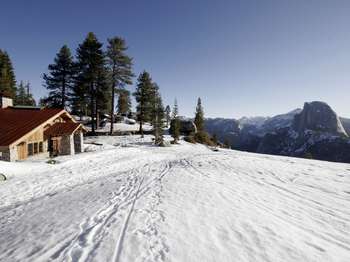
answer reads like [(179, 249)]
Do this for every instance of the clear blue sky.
[(242, 57)]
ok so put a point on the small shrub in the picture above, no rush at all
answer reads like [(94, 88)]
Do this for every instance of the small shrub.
[(190, 139), (214, 139), (51, 162), (308, 155), (203, 137)]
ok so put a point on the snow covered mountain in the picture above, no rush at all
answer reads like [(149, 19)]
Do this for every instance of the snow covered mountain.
[(257, 121), (314, 131), (126, 200)]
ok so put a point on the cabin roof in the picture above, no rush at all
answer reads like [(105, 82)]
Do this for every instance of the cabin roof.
[(59, 129), (17, 122)]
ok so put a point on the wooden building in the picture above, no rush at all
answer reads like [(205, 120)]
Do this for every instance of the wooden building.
[(28, 132)]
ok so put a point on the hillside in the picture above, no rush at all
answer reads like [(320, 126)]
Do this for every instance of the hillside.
[(316, 131), (126, 200)]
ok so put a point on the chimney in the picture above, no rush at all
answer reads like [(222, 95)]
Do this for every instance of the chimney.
[(5, 102)]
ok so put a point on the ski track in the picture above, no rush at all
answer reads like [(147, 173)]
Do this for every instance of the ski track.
[(185, 203)]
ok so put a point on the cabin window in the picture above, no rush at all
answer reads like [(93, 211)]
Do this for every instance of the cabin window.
[(30, 150), (35, 148)]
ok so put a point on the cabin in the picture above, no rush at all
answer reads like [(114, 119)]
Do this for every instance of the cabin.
[(32, 132)]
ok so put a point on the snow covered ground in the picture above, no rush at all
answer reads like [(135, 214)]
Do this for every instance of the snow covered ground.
[(123, 127), (126, 200)]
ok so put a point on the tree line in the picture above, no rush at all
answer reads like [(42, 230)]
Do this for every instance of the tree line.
[(88, 82), (21, 93)]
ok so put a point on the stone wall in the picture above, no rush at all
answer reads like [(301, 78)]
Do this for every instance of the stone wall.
[(67, 145), (78, 142), (5, 154)]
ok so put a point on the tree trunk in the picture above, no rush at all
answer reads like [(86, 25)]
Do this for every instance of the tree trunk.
[(97, 114), (63, 94), (141, 129), (112, 108), (92, 108)]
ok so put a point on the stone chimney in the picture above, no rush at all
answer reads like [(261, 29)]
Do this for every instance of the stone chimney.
[(5, 102)]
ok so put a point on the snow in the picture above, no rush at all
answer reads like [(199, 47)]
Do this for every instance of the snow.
[(124, 127), (127, 200)]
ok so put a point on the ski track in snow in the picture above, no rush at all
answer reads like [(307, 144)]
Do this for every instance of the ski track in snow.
[(183, 203)]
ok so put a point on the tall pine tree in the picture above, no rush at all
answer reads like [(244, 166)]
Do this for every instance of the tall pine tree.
[(124, 102), (24, 96), (143, 95), (176, 125), (91, 77), (167, 115), (7, 76), (157, 117), (120, 67), (199, 117), (60, 79)]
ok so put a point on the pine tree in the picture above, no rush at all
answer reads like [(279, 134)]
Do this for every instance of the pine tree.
[(215, 139), (7, 76), (157, 115), (167, 115), (199, 117), (30, 99), (43, 102), (103, 94), (124, 102), (21, 97), (79, 98), (60, 79), (142, 96), (175, 113), (158, 119), (120, 66), (24, 96), (176, 125), (91, 74)]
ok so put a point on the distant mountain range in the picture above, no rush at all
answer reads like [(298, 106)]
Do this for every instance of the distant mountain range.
[(315, 131)]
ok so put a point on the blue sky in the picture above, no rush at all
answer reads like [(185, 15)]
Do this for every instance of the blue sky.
[(243, 58)]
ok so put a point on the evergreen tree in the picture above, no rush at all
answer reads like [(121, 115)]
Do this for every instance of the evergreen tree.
[(215, 139), (142, 95), (158, 117), (90, 83), (43, 102), (120, 66), (24, 96), (199, 117), (21, 97), (176, 125), (157, 114), (167, 115), (79, 99), (175, 113), (60, 79), (103, 97), (7, 76), (124, 102)]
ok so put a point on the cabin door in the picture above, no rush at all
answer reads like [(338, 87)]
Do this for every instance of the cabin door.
[(55, 146), (21, 151)]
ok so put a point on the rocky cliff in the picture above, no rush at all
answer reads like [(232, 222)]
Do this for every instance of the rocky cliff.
[(320, 117), (314, 131)]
